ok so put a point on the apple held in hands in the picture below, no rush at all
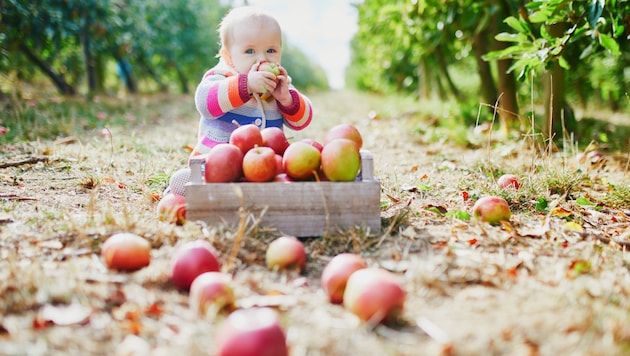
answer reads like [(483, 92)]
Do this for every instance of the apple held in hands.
[(172, 209), (259, 164), (344, 131), (301, 161), (340, 160), (374, 295), (252, 332), (270, 67), (246, 137), (336, 274), (224, 164), (492, 209), (126, 252), (286, 252), (211, 292), (192, 259)]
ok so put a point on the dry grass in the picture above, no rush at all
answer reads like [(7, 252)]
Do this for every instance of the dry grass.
[(536, 285)]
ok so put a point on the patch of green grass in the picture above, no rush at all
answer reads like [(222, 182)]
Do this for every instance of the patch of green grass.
[(618, 196)]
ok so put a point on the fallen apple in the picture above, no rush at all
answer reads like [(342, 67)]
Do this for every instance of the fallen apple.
[(259, 164), (492, 209), (336, 273), (509, 181), (126, 251), (374, 295), (275, 138), (190, 260), (224, 164), (344, 131), (341, 160), (251, 332), (211, 292), (172, 209), (301, 161), (246, 137), (286, 252)]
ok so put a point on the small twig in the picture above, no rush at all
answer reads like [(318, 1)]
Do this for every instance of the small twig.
[(29, 160)]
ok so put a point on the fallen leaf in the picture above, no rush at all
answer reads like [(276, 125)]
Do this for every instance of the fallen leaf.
[(64, 315), (573, 226)]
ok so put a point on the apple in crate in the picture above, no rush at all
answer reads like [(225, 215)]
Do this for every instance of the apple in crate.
[(336, 274), (313, 143), (172, 209), (492, 209), (259, 164), (509, 181), (224, 164), (252, 332), (275, 138), (301, 161), (126, 252), (286, 252), (344, 131), (341, 160), (190, 260), (211, 292), (246, 137), (374, 295)]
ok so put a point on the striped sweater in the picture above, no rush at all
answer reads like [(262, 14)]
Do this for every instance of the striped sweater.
[(222, 100)]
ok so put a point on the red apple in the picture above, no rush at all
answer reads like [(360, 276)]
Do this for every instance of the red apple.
[(313, 143), (126, 252), (246, 137), (336, 274), (252, 332), (341, 160), (192, 259), (301, 160), (492, 209), (275, 138), (279, 167), (344, 131), (224, 164), (172, 209), (211, 292), (286, 252), (508, 181), (259, 164), (374, 295)]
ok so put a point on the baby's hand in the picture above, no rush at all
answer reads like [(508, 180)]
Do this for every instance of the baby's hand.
[(281, 90), (260, 82)]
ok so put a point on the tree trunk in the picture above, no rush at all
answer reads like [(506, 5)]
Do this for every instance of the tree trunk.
[(444, 70), (126, 73), (90, 67), (423, 79), (508, 105), (183, 81), (480, 48), (60, 83)]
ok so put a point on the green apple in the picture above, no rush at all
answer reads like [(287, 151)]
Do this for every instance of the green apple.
[(341, 160), (301, 160)]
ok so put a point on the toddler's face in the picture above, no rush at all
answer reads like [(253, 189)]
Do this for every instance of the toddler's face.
[(255, 41)]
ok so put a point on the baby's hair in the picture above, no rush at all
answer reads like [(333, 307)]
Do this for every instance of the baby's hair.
[(237, 15)]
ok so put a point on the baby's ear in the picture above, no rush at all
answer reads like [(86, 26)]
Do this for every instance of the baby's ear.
[(223, 53)]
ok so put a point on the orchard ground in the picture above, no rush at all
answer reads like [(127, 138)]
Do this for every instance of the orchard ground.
[(554, 280)]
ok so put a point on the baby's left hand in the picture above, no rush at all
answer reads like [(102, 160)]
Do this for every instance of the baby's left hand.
[(281, 92)]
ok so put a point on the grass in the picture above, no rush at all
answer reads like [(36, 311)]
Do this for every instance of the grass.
[(538, 284)]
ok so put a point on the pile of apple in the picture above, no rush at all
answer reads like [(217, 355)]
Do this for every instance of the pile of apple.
[(266, 155)]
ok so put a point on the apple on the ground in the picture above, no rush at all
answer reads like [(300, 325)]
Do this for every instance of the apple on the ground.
[(301, 161), (509, 181), (192, 259), (172, 209), (246, 137), (259, 164), (126, 251), (224, 164), (286, 252), (374, 295), (492, 209), (336, 273), (211, 292), (341, 160), (252, 332)]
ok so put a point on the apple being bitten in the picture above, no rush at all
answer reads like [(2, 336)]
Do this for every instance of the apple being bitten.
[(246, 137), (259, 164), (224, 164), (341, 160), (301, 161)]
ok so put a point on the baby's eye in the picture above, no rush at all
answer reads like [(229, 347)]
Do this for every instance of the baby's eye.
[(271, 50), (249, 51)]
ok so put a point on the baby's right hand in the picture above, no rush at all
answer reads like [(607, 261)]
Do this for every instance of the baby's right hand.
[(260, 82)]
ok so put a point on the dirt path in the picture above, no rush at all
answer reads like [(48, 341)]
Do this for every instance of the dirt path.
[(534, 286)]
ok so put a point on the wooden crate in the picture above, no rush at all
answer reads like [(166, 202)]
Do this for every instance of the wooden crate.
[(300, 209)]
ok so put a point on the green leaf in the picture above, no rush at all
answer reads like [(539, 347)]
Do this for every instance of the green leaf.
[(609, 43), (563, 63), (461, 215), (508, 37), (518, 25), (541, 205), (583, 202)]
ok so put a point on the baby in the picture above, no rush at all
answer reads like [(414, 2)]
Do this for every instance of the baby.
[(230, 94)]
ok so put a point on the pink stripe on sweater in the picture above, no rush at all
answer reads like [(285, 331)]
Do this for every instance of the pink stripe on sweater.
[(213, 101)]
